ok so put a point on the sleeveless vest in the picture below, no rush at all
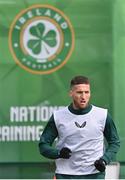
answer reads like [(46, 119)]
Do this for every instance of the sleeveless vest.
[(83, 135)]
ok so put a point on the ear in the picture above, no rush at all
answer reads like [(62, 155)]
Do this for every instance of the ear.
[(70, 93)]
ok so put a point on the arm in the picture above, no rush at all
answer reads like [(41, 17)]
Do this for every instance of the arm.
[(111, 135), (46, 140)]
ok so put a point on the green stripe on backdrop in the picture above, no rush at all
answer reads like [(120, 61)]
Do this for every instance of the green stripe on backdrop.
[(119, 71)]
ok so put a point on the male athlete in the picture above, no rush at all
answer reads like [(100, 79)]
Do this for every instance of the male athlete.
[(80, 129)]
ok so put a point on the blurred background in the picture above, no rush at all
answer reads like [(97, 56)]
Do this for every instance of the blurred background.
[(87, 38)]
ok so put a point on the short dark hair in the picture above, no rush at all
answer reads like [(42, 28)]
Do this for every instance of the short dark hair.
[(79, 80)]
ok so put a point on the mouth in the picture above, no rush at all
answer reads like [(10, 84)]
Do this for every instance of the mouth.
[(83, 102)]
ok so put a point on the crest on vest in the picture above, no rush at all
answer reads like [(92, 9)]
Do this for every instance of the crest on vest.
[(80, 126)]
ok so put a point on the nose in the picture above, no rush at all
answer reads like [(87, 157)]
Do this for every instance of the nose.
[(83, 95)]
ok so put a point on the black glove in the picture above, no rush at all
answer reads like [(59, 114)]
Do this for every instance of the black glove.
[(100, 165), (65, 153)]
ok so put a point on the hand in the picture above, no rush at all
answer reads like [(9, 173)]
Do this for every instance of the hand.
[(65, 153), (100, 165)]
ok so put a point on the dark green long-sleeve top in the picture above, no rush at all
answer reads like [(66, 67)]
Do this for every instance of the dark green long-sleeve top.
[(50, 133)]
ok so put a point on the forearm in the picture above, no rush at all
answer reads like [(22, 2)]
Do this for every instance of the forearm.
[(110, 153), (47, 151), (113, 141)]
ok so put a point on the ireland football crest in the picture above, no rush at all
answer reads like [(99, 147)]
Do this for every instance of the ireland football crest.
[(41, 39)]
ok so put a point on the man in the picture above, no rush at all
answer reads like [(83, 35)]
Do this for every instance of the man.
[(80, 128)]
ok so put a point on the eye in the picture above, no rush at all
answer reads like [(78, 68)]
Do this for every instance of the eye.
[(79, 92), (87, 92)]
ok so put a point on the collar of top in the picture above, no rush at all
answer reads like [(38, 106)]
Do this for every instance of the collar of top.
[(79, 111)]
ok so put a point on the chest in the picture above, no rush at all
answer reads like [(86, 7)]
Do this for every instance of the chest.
[(79, 126)]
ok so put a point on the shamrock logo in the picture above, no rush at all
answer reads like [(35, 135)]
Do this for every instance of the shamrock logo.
[(44, 43), (42, 39)]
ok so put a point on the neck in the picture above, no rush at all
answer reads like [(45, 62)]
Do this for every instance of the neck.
[(74, 110)]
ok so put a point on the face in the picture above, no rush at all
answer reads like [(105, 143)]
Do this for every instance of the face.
[(80, 95)]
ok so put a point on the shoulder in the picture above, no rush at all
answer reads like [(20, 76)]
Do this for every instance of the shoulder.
[(100, 109), (99, 112), (61, 110)]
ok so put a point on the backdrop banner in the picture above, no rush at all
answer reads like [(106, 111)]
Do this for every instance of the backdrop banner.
[(42, 46)]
